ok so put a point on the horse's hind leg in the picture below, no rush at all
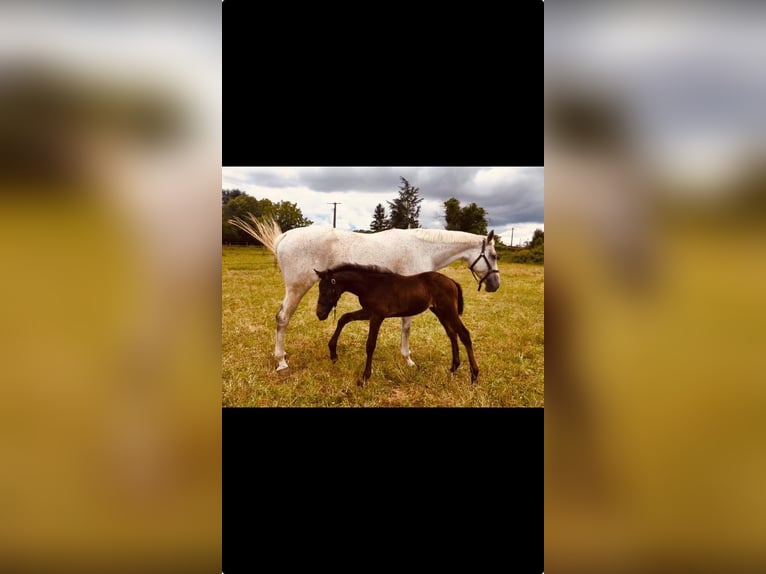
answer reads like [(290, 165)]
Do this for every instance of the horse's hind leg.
[(361, 315), (406, 324), (293, 296)]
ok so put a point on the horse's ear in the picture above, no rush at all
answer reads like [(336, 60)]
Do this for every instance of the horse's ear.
[(490, 236), (320, 273)]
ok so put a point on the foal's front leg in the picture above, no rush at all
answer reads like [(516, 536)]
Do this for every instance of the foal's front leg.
[(361, 315), (372, 340), (406, 325)]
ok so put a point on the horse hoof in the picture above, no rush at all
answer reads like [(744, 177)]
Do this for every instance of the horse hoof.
[(360, 383), (334, 360), (283, 373)]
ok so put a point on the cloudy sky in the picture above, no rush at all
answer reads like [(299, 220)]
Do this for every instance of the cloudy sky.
[(512, 196)]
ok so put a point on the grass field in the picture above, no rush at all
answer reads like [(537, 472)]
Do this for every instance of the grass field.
[(506, 328)]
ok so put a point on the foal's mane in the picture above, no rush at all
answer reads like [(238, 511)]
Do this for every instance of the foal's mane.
[(362, 268)]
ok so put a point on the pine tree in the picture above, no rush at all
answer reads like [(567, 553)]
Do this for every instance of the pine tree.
[(405, 210), (379, 222)]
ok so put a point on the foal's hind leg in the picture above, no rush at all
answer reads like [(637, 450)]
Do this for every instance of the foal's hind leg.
[(450, 330), (361, 315), (406, 323), (465, 337)]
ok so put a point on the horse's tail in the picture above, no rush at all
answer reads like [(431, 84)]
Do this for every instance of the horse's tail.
[(459, 297), (267, 231)]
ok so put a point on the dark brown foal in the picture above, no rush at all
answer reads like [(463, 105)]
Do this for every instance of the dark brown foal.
[(385, 294)]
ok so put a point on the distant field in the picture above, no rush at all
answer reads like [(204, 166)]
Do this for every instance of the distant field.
[(506, 328)]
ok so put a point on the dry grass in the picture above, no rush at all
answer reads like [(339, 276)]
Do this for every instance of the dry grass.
[(506, 328)]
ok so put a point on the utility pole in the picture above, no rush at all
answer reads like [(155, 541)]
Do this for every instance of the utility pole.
[(334, 209), (511, 237)]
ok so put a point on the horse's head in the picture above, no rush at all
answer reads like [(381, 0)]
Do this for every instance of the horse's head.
[(484, 267), (328, 294)]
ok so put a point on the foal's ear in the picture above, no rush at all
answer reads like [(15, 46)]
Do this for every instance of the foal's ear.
[(490, 236)]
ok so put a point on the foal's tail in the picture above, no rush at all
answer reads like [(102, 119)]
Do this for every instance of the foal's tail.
[(267, 231), (459, 297)]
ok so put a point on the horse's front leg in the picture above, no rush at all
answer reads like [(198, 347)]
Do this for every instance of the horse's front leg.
[(293, 296), (361, 315), (372, 340), (406, 324)]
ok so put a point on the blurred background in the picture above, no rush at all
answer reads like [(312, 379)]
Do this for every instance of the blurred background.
[(656, 276), (110, 154)]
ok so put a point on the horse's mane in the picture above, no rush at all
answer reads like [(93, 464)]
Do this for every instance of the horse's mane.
[(365, 268), (444, 236)]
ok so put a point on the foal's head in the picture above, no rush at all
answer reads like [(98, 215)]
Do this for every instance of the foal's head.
[(328, 294)]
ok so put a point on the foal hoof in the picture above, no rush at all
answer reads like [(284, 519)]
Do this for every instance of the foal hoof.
[(334, 359), (360, 383)]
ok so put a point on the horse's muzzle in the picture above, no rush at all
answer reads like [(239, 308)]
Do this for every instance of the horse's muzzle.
[(492, 283), (322, 314)]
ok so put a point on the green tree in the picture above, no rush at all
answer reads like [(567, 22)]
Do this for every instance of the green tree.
[(452, 214), (378, 222), (287, 214), (471, 218), (241, 206), (538, 238), (229, 194), (404, 211)]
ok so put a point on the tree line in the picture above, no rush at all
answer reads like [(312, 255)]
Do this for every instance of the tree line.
[(237, 203), (533, 251), (404, 213)]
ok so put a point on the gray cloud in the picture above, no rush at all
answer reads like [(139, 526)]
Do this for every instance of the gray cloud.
[(341, 179)]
